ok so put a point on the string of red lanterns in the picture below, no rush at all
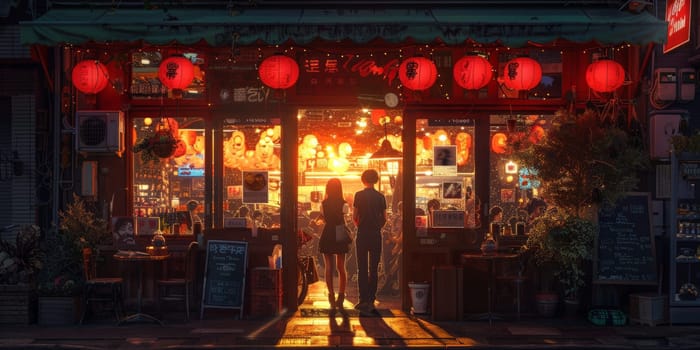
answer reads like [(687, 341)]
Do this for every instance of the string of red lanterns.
[(605, 75), (90, 76)]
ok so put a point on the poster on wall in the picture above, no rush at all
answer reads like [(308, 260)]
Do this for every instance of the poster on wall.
[(444, 160), (255, 185), (123, 232), (147, 226), (451, 190)]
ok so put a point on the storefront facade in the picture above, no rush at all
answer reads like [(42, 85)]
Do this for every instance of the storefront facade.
[(242, 156)]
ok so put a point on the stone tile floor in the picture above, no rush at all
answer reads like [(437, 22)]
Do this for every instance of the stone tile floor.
[(314, 327)]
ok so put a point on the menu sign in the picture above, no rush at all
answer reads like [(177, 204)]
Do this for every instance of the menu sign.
[(625, 244), (224, 275)]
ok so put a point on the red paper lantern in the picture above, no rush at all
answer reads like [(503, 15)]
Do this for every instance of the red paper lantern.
[(605, 75), (279, 72), (498, 142), (176, 73), (472, 72), (417, 73), (522, 73), (90, 76)]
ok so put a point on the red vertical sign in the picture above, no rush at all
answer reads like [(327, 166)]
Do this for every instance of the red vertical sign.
[(678, 19)]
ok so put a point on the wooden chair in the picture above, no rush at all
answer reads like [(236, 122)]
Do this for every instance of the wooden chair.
[(180, 289), (100, 290), (517, 278)]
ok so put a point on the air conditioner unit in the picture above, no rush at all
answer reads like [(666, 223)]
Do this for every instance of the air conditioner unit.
[(100, 132)]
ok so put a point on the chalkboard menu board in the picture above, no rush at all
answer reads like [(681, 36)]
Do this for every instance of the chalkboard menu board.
[(625, 245), (224, 275)]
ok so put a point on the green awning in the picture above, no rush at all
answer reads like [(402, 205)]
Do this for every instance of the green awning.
[(514, 27)]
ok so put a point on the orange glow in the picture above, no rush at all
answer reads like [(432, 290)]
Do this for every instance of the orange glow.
[(498, 143)]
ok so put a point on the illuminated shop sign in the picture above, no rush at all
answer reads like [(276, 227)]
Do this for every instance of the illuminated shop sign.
[(678, 19)]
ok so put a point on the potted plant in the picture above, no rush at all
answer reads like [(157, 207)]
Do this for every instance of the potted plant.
[(20, 262), (582, 162), (60, 281), (562, 245), (81, 226)]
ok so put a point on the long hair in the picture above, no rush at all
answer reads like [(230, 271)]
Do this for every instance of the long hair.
[(334, 189)]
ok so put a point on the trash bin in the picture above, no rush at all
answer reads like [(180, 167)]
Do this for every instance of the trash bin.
[(419, 297)]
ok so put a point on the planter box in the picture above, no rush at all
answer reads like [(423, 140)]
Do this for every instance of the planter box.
[(58, 310), (650, 309), (17, 304)]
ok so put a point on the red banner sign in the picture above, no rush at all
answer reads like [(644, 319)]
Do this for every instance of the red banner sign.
[(678, 19)]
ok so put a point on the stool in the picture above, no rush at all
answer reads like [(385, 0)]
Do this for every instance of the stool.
[(517, 280)]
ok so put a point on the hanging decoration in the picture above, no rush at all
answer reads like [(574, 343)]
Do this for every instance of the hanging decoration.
[(90, 76), (605, 75), (279, 72), (498, 143), (176, 73), (417, 73), (522, 73), (472, 72)]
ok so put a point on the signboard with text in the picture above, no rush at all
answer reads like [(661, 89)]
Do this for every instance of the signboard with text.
[(224, 275), (678, 20)]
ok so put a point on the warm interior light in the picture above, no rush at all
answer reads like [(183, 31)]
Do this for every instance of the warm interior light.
[(147, 121), (511, 167)]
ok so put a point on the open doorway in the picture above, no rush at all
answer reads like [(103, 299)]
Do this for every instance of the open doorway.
[(341, 144)]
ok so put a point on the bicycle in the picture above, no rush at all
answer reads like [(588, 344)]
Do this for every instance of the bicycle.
[(306, 267)]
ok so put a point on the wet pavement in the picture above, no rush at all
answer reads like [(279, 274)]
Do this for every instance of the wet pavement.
[(313, 326)]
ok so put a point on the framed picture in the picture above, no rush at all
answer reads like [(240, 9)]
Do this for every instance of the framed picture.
[(451, 190), (147, 226), (445, 155), (123, 231), (507, 195), (444, 160), (448, 218)]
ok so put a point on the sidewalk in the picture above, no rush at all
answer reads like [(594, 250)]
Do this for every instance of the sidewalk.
[(313, 327)]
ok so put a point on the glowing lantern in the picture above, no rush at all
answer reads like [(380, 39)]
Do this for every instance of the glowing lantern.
[(498, 143), (537, 134), (605, 75), (176, 73), (279, 72), (472, 72), (417, 73), (90, 76), (522, 73)]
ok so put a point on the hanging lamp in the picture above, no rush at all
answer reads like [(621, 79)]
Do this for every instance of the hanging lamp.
[(385, 151)]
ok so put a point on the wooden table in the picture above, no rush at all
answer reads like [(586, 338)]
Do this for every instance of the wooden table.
[(138, 259), (491, 260)]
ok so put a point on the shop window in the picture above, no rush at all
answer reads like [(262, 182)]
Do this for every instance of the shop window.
[(514, 190), (251, 179), (169, 186), (445, 193), (144, 76)]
